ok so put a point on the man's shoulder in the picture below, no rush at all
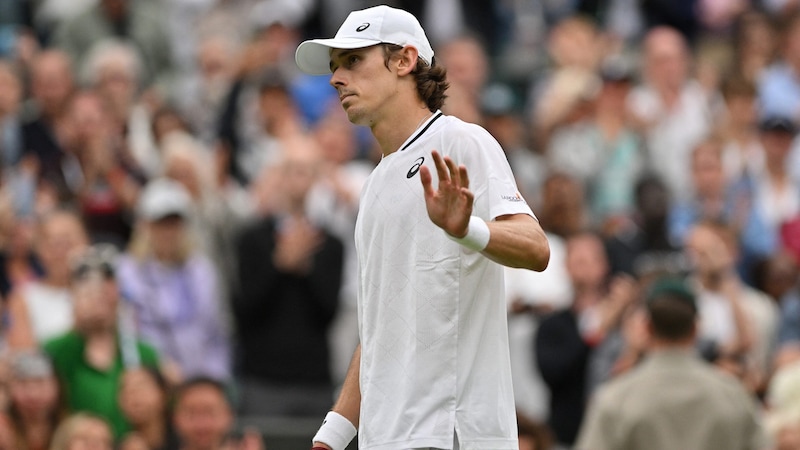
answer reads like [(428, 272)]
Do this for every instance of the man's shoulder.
[(454, 125)]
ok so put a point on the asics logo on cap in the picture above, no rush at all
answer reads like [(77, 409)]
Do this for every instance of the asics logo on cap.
[(362, 27)]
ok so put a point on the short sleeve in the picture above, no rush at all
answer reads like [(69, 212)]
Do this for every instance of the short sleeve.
[(490, 175)]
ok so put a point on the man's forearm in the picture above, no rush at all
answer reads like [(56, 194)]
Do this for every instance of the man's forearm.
[(348, 406), (518, 241), (349, 402)]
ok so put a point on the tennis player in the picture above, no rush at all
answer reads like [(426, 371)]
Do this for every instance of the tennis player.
[(439, 215)]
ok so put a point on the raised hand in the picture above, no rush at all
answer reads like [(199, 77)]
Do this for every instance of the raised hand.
[(449, 206)]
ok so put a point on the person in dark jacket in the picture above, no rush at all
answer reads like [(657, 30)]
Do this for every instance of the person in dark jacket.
[(290, 273)]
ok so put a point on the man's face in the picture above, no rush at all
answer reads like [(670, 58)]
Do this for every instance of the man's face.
[(202, 418), (363, 82)]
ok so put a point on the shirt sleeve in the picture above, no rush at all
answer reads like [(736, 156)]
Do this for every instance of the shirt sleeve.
[(490, 175)]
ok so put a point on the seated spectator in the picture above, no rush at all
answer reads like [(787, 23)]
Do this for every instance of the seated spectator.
[(42, 309), (143, 397), (83, 431), (91, 359), (673, 399), (203, 417), (35, 408), (172, 287)]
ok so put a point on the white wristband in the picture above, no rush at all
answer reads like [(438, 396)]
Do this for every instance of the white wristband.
[(336, 431), (477, 237)]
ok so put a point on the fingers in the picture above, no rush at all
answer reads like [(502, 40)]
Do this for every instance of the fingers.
[(462, 170), (441, 167), (447, 170), (427, 185)]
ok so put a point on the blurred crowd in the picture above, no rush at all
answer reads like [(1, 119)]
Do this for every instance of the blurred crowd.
[(177, 205)]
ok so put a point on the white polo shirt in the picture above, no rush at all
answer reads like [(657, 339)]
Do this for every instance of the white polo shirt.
[(432, 314)]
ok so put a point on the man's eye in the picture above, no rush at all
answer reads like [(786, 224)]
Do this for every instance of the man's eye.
[(352, 59)]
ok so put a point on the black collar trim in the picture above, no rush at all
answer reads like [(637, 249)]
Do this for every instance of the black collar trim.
[(421, 132)]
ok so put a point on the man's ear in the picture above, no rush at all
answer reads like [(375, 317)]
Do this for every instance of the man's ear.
[(406, 60)]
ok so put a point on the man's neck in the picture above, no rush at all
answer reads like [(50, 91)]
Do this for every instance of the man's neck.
[(396, 129)]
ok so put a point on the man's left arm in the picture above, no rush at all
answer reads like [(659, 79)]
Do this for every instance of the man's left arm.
[(514, 240), (517, 240)]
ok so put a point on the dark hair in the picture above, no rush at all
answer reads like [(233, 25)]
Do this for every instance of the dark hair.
[(672, 318), (431, 79), (201, 381)]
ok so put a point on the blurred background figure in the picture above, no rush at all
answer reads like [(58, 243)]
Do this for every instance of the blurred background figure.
[(736, 320), (46, 129), (172, 287), (571, 341), (144, 400), (690, 392), (83, 431), (203, 418), (43, 308), (715, 200), (290, 273), (141, 24), (670, 107), (90, 360), (36, 404), (333, 203)]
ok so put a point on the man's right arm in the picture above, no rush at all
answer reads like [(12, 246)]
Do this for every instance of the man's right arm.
[(349, 403)]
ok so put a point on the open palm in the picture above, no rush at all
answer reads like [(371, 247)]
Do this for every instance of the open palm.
[(450, 205)]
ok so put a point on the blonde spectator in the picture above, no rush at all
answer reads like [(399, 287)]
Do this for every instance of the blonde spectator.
[(42, 309), (83, 431), (217, 211), (172, 286)]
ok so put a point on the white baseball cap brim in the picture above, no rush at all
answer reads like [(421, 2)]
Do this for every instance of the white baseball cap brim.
[(313, 57)]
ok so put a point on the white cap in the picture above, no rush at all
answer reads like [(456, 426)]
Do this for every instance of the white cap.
[(164, 197), (364, 28)]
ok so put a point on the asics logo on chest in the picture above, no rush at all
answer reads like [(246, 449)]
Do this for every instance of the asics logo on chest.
[(415, 168)]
